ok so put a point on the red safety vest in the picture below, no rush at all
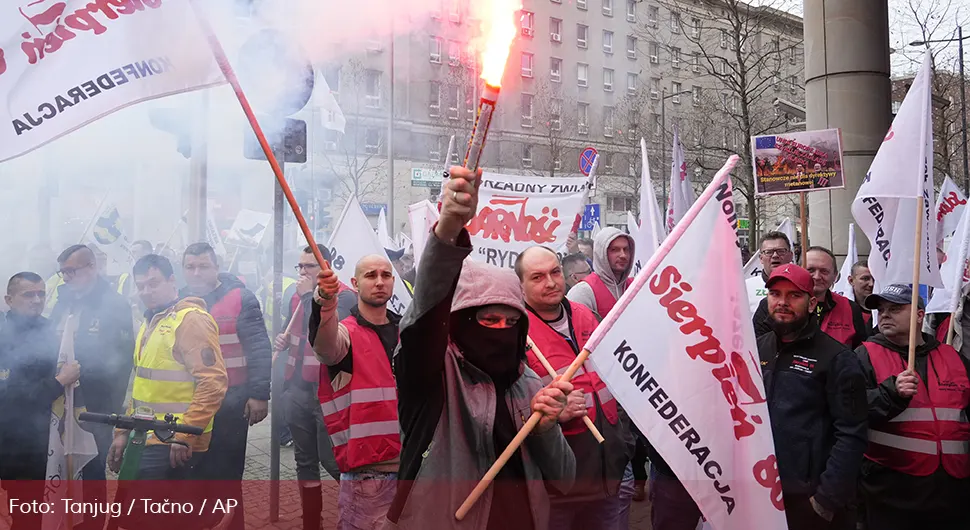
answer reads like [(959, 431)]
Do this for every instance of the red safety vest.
[(361, 416), (838, 322), (604, 298), (300, 346), (226, 312), (943, 329), (560, 355), (933, 429)]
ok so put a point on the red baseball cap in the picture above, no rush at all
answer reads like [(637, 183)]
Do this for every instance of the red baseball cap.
[(798, 276)]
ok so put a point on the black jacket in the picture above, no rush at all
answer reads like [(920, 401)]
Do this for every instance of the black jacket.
[(251, 329), (937, 492), (817, 402), (762, 321), (28, 364), (104, 344)]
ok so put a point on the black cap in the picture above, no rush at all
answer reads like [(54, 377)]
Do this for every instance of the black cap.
[(897, 293)]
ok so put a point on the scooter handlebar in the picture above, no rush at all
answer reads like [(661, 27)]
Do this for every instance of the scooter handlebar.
[(139, 423)]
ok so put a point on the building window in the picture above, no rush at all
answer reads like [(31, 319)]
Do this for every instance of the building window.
[(724, 39), (555, 114), (582, 35), (434, 154), (454, 97), (454, 53), (555, 29), (655, 120), (527, 60), (372, 89), (724, 137), (372, 141), (791, 54), (581, 5), (631, 10), (608, 8), (695, 28), (527, 100), (676, 88), (434, 107), (654, 88), (582, 74), (330, 139), (471, 106), (607, 42), (653, 13), (620, 203), (654, 53), (555, 70), (557, 161), (436, 50), (455, 12), (631, 83), (608, 117), (675, 57), (331, 74), (608, 79), (735, 103), (695, 63), (792, 84), (631, 46), (607, 162), (674, 22), (582, 118), (526, 155), (527, 20)]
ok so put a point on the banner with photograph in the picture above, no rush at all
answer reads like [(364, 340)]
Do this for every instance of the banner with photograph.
[(797, 161)]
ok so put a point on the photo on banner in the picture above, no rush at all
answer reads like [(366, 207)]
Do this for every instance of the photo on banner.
[(797, 161)]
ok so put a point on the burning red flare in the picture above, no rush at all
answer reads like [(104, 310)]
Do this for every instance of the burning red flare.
[(499, 28)]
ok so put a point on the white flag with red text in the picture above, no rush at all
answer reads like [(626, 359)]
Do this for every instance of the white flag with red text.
[(851, 257), (954, 270), (949, 208), (421, 216), (66, 63), (902, 171), (650, 228), (681, 191), (693, 384)]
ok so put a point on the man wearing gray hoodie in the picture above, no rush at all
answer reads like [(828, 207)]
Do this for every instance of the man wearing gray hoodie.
[(613, 253)]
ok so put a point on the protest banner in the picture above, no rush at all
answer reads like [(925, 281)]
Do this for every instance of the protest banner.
[(516, 212), (949, 209), (66, 63), (107, 234), (797, 161), (248, 229), (650, 231)]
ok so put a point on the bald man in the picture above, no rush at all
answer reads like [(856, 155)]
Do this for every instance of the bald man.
[(357, 389)]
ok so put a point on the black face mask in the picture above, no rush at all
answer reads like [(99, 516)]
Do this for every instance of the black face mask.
[(497, 352)]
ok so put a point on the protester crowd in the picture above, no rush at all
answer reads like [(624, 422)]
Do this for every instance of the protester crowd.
[(409, 411)]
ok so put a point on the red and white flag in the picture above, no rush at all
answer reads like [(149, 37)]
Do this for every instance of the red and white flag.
[(901, 172), (66, 63), (949, 208), (693, 383), (650, 231), (421, 216), (681, 190)]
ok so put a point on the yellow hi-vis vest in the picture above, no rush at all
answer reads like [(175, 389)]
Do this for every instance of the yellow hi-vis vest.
[(122, 280), (268, 300), (51, 285), (162, 383)]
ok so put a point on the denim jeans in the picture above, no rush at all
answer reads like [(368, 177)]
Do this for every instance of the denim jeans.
[(602, 514), (364, 499), (624, 498), (672, 508)]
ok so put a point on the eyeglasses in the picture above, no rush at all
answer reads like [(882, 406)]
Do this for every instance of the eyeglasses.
[(768, 252), (306, 267), (69, 273)]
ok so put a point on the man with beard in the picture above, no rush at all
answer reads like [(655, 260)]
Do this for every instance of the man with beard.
[(817, 402), (246, 351), (357, 389), (613, 253), (775, 251), (838, 316), (862, 284), (559, 329), (464, 389), (916, 471)]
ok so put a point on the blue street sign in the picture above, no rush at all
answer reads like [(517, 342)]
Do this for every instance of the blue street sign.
[(591, 216), (372, 208), (586, 160)]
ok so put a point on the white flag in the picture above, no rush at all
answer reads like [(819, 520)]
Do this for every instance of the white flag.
[(678, 202), (954, 270), (67, 439), (352, 239), (331, 116), (64, 64), (212, 235), (902, 171), (106, 233), (851, 257), (753, 266), (695, 390), (382, 234), (249, 228), (421, 216), (651, 232), (949, 210)]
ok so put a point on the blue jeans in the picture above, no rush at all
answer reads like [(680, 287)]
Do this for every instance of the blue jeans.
[(624, 498), (601, 514), (364, 499), (672, 508)]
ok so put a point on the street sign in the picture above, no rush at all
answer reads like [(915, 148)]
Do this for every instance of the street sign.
[(426, 178), (591, 216), (372, 208), (744, 224), (586, 160)]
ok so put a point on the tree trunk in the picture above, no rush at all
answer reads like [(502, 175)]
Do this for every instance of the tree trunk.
[(752, 222)]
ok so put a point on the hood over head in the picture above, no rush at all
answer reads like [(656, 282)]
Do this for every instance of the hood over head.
[(481, 284), (601, 264)]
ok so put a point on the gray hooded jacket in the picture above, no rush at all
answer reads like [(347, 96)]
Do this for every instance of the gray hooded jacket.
[(447, 406), (582, 293)]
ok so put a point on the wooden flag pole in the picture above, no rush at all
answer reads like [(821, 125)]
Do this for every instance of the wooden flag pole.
[(552, 373), (915, 299), (949, 332), (804, 222), (514, 445)]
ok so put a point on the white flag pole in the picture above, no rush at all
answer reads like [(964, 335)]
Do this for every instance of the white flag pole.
[(915, 299)]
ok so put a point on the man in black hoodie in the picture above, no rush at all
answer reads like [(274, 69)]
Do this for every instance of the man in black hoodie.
[(246, 349), (917, 469), (29, 383)]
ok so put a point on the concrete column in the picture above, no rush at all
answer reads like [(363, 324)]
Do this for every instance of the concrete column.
[(846, 86)]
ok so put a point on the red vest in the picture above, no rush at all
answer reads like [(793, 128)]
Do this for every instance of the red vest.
[(943, 329), (226, 312), (300, 346), (604, 298), (933, 429), (838, 322), (560, 355), (361, 416)]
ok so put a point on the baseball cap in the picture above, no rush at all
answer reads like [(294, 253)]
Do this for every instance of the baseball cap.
[(793, 273), (897, 293)]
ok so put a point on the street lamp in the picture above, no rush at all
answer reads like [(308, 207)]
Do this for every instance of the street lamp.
[(663, 142), (963, 101)]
